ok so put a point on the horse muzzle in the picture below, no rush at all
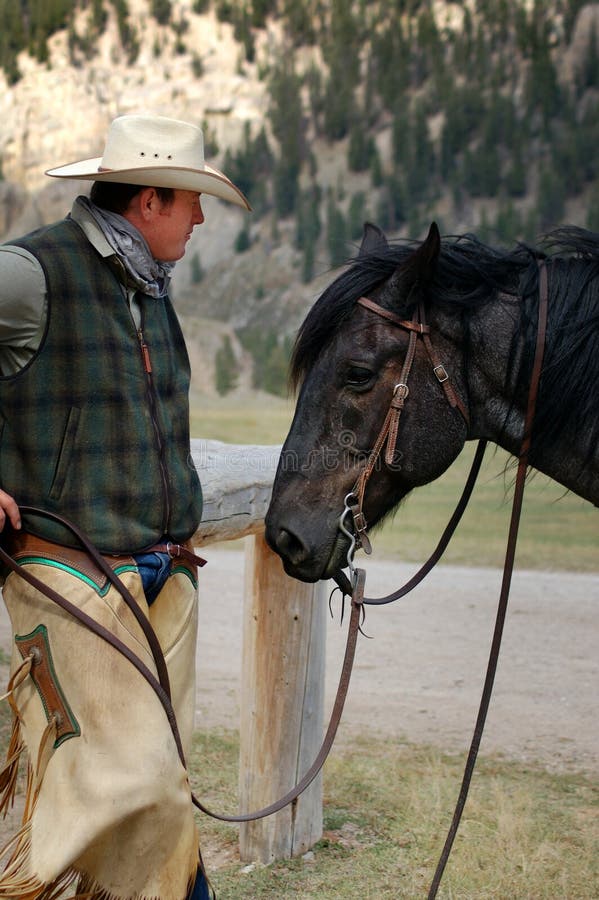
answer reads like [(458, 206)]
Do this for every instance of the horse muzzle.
[(302, 558)]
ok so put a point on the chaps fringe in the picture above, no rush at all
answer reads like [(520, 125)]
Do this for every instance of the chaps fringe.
[(91, 891), (14, 880), (10, 770)]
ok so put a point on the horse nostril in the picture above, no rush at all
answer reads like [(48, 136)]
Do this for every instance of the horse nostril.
[(290, 546)]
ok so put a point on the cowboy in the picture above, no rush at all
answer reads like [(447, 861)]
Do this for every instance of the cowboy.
[(94, 429)]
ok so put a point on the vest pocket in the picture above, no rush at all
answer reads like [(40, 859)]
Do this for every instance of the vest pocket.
[(65, 453)]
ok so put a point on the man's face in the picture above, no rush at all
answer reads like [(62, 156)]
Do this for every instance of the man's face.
[(172, 225)]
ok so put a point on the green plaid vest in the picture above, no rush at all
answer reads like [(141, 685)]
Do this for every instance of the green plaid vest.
[(85, 430)]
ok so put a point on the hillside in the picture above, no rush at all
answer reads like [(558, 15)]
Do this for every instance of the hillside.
[(481, 114)]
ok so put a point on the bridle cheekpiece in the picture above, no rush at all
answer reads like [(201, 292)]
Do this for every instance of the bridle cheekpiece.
[(417, 327)]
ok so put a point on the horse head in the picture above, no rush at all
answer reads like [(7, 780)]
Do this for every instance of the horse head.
[(350, 359)]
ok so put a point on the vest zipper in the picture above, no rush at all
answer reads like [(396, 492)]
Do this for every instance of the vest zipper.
[(147, 364)]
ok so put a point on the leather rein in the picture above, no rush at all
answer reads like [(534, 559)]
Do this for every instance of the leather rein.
[(159, 682)]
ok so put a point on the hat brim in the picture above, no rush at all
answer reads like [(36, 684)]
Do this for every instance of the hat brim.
[(205, 181)]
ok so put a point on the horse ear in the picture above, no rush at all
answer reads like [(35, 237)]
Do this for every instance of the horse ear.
[(419, 267), (417, 271), (373, 239), (428, 252)]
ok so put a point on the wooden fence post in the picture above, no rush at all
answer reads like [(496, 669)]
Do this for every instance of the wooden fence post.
[(283, 663), (282, 697)]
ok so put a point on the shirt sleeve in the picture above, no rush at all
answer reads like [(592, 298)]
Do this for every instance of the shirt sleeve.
[(23, 307)]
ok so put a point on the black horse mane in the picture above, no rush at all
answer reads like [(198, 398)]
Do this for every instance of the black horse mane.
[(470, 273)]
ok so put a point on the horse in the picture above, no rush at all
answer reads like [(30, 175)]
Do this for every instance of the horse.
[(441, 332)]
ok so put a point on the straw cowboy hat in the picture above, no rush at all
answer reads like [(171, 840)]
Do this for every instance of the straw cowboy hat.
[(156, 152)]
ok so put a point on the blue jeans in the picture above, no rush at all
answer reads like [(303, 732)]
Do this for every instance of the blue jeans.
[(154, 569), (200, 889)]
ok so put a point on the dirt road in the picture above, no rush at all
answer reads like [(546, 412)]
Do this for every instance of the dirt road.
[(421, 675)]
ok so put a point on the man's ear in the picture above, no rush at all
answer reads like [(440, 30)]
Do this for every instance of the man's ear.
[(147, 203)]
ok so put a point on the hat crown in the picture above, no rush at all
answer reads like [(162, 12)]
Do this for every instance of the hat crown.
[(139, 141)]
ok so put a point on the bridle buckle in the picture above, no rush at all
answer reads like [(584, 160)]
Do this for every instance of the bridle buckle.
[(441, 373)]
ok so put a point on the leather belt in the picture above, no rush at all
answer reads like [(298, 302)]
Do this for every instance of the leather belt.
[(177, 551), (22, 544)]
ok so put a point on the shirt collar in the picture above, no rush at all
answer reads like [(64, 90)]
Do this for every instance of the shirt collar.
[(91, 229)]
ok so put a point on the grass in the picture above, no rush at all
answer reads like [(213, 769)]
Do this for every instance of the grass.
[(525, 833), (559, 531), (247, 419)]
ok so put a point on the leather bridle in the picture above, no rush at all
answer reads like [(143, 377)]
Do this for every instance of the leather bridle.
[(416, 327)]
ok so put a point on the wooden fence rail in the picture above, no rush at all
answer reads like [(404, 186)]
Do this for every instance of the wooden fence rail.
[(282, 666)]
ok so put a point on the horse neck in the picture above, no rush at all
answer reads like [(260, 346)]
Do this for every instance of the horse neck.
[(489, 370), (497, 406)]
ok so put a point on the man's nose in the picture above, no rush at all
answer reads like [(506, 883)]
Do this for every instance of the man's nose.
[(199, 215)]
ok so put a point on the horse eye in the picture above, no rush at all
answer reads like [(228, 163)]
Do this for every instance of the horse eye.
[(358, 377)]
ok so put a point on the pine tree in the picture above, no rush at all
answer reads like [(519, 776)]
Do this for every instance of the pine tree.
[(516, 175), (390, 63), (162, 11), (197, 272), (260, 10), (572, 8), (226, 369), (286, 117), (427, 47), (376, 167), (356, 215), (588, 71), (420, 173), (508, 223), (299, 21), (308, 223), (360, 148), (225, 11), (401, 136), (275, 370), (593, 209), (551, 199), (242, 241), (250, 167), (336, 233), (308, 260), (542, 86), (343, 44), (338, 101), (313, 79), (481, 169)]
